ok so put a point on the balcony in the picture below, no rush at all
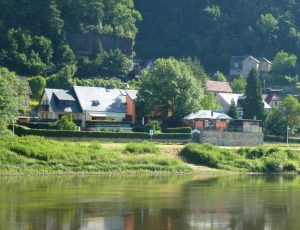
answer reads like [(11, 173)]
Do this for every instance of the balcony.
[(43, 108)]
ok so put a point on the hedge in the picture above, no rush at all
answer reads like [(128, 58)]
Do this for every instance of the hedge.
[(23, 131), (177, 130), (281, 139), (109, 122), (143, 128)]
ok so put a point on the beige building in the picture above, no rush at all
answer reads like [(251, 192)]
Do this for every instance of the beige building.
[(242, 65)]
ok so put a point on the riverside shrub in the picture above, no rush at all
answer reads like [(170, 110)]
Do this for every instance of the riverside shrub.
[(141, 148), (177, 130)]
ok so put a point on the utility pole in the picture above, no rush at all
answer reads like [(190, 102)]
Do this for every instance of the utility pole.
[(287, 135)]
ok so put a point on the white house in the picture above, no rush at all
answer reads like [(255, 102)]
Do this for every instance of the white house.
[(87, 104), (56, 103), (224, 100)]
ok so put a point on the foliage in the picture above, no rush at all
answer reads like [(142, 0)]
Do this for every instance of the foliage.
[(253, 105), (65, 123), (238, 85), (106, 63), (100, 82), (284, 64), (27, 54), (12, 95), (37, 85), (232, 112), (179, 96), (219, 76), (257, 159), (155, 124), (287, 114), (61, 80), (209, 101), (177, 130), (197, 68), (116, 64), (141, 148)]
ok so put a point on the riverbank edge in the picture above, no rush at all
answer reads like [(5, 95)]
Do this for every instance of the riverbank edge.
[(149, 173)]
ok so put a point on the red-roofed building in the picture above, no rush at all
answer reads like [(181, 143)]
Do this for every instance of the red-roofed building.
[(216, 87)]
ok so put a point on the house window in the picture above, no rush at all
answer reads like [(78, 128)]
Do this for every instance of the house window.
[(95, 103), (236, 65)]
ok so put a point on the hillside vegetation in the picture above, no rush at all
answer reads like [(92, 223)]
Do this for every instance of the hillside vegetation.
[(214, 30)]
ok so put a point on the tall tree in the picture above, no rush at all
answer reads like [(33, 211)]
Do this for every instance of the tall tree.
[(232, 112), (12, 95), (287, 114), (169, 88), (253, 105)]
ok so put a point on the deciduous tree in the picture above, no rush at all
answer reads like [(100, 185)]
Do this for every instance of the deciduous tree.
[(169, 88), (12, 95)]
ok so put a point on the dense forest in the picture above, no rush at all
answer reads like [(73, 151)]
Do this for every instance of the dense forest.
[(42, 37), (215, 30), (100, 37)]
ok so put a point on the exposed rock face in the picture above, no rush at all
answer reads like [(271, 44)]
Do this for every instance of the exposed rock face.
[(89, 43)]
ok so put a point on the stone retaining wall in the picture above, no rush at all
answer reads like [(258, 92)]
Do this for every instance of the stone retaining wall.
[(231, 138)]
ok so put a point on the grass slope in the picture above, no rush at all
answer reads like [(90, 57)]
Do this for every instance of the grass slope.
[(39, 155)]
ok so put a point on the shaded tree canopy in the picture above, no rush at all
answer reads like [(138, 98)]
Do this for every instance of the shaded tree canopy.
[(169, 88)]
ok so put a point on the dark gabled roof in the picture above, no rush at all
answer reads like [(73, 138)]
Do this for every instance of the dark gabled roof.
[(64, 96), (58, 107), (218, 87)]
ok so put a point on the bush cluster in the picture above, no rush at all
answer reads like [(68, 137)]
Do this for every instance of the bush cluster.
[(260, 159), (177, 130), (141, 148)]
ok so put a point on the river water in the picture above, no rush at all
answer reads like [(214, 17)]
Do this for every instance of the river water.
[(150, 202)]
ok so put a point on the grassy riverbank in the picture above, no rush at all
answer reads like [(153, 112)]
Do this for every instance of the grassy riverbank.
[(251, 159), (29, 154), (38, 155)]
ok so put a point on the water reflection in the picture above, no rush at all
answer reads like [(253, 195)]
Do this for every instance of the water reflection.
[(141, 202)]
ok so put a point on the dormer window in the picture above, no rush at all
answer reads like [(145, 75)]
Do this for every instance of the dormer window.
[(95, 103)]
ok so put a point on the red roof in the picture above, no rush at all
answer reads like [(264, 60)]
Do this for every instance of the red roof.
[(218, 87)]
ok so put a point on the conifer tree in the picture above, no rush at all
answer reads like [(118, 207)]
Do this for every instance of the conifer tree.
[(232, 112), (253, 106)]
